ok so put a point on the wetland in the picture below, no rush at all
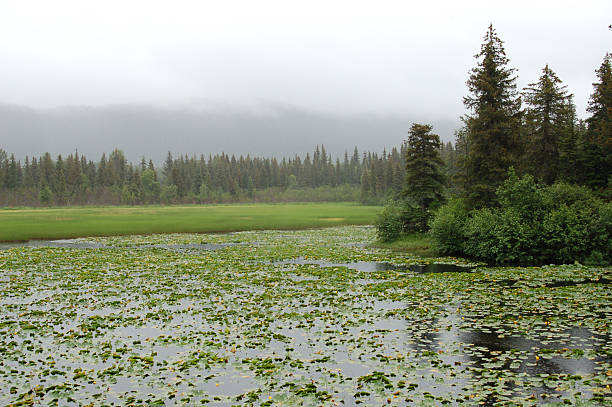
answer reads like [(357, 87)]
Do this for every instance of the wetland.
[(309, 317)]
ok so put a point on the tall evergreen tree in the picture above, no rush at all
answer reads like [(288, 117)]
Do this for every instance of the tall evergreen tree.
[(13, 174), (549, 119), (424, 168), (570, 165), (47, 170), (599, 152), (60, 179), (492, 124), (28, 177), (3, 166)]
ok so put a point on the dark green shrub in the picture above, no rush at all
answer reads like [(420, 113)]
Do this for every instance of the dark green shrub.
[(400, 218), (601, 235), (415, 219), (564, 194), (566, 234), (479, 233), (447, 227), (532, 225), (389, 224), (522, 194)]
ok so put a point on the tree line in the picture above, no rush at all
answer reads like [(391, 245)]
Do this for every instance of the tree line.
[(76, 180), (535, 131)]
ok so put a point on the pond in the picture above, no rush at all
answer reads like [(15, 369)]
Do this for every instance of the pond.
[(310, 317)]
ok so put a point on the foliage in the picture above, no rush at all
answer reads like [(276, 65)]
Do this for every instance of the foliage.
[(400, 218), (425, 181), (383, 176), (549, 119), (45, 195), (416, 244), (492, 136), (169, 194), (389, 223), (599, 140), (423, 190), (150, 186), (447, 227), (532, 225)]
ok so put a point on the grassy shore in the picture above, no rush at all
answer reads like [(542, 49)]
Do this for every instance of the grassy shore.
[(57, 223), (417, 244)]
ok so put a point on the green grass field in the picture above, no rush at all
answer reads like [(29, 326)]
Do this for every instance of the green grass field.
[(57, 223)]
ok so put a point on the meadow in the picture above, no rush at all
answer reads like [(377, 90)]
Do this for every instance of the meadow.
[(308, 317), (59, 223)]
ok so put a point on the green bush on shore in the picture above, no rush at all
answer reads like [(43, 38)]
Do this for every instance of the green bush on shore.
[(532, 225), (400, 218)]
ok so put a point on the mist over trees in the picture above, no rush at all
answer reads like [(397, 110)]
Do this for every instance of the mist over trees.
[(543, 138), (151, 131)]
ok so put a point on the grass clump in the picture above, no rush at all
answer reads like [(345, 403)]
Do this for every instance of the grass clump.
[(418, 244)]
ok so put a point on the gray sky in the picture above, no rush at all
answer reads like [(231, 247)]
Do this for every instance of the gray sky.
[(336, 57)]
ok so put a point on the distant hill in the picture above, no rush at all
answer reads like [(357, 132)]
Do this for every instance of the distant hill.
[(153, 131)]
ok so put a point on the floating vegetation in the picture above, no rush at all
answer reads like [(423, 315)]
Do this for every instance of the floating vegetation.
[(300, 317)]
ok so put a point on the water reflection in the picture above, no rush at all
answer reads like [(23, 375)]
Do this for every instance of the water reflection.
[(373, 266), (477, 354), (439, 268)]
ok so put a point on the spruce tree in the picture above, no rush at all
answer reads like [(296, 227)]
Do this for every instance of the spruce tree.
[(570, 165), (598, 150), (3, 167), (492, 136), (549, 119), (60, 180), (425, 179), (13, 174)]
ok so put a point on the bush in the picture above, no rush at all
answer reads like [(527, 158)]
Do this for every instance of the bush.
[(502, 236), (447, 227), (400, 218), (389, 224), (532, 225)]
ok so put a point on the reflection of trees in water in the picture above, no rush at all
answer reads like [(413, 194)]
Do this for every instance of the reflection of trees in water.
[(480, 348), (495, 346), (426, 339)]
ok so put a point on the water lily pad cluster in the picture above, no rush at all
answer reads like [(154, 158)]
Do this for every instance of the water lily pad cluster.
[(309, 317)]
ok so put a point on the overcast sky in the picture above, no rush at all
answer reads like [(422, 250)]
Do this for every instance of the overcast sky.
[(345, 57)]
